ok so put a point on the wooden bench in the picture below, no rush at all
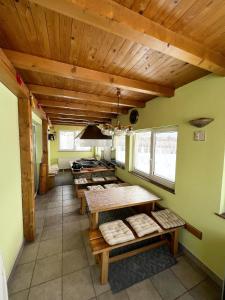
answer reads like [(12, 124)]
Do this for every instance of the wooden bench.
[(100, 249)]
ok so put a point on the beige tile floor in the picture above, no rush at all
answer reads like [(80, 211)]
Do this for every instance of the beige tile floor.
[(59, 264)]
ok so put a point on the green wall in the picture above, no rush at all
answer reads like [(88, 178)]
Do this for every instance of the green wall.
[(54, 147), (199, 174), (11, 219)]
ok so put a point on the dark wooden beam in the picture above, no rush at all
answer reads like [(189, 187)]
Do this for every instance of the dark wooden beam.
[(84, 118), (73, 104), (51, 67), (83, 97), (78, 113), (27, 167)]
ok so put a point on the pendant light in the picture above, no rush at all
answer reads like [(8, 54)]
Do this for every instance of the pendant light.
[(118, 129)]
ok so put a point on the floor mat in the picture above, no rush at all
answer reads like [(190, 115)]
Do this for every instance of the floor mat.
[(124, 273), (64, 178)]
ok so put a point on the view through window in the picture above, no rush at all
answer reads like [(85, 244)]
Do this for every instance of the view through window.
[(69, 142), (120, 143), (154, 154)]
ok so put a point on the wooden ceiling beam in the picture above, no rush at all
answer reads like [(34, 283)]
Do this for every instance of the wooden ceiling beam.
[(13, 81), (77, 121), (71, 104), (51, 67), (77, 113), (77, 118), (92, 98), (69, 123), (117, 19)]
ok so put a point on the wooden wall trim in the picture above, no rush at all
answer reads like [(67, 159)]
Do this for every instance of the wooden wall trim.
[(27, 168)]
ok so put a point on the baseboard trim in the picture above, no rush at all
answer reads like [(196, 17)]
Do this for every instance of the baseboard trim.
[(16, 261), (202, 266)]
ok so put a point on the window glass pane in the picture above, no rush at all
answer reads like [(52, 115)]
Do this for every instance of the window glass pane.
[(165, 155), (77, 146), (66, 140), (120, 142), (142, 142)]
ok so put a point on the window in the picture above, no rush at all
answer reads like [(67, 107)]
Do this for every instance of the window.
[(154, 155), (69, 142), (120, 144)]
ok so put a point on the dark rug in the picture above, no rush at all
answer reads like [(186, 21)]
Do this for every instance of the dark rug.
[(125, 273), (64, 178)]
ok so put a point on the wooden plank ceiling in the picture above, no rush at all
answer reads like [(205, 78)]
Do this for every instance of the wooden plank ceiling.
[(65, 53)]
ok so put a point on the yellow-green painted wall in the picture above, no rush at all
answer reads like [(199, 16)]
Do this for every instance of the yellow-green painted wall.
[(54, 146), (199, 172), (11, 219)]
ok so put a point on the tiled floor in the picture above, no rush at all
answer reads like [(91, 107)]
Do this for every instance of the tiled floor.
[(59, 265)]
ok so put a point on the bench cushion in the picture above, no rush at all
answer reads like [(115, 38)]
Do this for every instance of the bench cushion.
[(110, 185), (80, 181), (167, 218), (143, 224), (116, 232), (96, 179), (110, 178), (95, 187)]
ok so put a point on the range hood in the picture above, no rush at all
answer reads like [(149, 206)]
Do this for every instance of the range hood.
[(91, 136)]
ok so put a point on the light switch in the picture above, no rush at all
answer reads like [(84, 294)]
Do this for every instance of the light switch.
[(199, 136)]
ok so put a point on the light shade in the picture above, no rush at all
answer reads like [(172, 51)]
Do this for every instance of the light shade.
[(201, 122), (92, 136)]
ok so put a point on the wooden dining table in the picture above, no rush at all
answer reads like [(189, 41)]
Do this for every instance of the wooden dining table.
[(116, 198)]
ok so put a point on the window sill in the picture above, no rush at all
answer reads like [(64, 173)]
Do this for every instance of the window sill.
[(220, 215), (119, 165), (168, 189)]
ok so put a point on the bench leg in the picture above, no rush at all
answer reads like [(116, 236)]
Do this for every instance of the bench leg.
[(94, 220), (82, 205), (174, 242), (104, 267)]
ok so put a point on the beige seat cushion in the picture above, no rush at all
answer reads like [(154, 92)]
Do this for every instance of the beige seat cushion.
[(80, 181), (116, 232), (110, 178), (110, 185), (143, 224), (98, 179), (167, 218), (95, 187)]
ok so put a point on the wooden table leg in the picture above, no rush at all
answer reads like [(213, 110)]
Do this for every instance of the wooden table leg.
[(83, 206), (104, 267), (153, 206), (174, 242), (94, 220)]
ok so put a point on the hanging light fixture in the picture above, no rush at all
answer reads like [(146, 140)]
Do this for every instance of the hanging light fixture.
[(118, 129)]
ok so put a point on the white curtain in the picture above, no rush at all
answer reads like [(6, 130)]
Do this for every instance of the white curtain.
[(3, 282)]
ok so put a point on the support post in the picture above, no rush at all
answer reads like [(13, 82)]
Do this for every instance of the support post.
[(104, 267), (27, 167), (43, 188)]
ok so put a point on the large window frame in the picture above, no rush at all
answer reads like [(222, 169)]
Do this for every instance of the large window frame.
[(120, 163), (151, 176), (75, 147)]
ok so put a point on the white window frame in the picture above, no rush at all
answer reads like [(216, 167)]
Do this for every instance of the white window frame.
[(118, 162), (151, 175), (133, 153), (74, 146)]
